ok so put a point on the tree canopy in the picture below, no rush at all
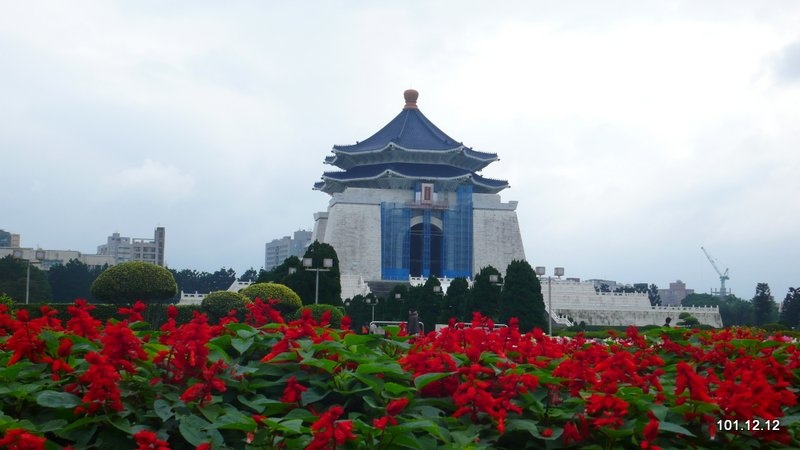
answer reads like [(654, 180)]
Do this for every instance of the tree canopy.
[(764, 307), (484, 297), (134, 280), (14, 279), (790, 310), (73, 280), (522, 298)]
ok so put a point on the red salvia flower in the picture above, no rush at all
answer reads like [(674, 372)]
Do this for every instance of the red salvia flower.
[(102, 390), (147, 440), (134, 314), (19, 439), (121, 346), (82, 323), (328, 432), (293, 391)]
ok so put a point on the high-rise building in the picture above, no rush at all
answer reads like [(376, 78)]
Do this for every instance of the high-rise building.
[(675, 294), (125, 249), (8, 240), (408, 202), (277, 250)]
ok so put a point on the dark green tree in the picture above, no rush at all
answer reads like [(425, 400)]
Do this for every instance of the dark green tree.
[(522, 298), (734, 311), (14, 279), (395, 306), (220, 280), (484, 297), (653, 295), (764, 306), (428, 302), (304, 281), (250, 275), (360, 311), (790, 310), (687, 320), (72, 281), (130, 281), (284, 273), (454, 301)]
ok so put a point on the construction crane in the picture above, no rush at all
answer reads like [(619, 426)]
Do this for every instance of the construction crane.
[(722, 276)]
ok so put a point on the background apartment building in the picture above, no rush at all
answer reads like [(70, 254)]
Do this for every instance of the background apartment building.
[(278, 250), (123, 248)]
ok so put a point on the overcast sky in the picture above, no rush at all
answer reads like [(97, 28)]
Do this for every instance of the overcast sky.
[(631, 132)]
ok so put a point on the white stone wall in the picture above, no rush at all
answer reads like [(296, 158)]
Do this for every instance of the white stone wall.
[(580, 302), (639, 318), (353, 228), (496, 239)]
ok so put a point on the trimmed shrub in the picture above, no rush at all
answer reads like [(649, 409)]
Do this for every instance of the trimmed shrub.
[(103, 312), (134, 280), (218, 304), (6, 300), (318, 310), (288, 300)]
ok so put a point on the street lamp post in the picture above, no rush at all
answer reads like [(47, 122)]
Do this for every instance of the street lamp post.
[(559, 272), (372, 302), (327, 264), (39, 257)]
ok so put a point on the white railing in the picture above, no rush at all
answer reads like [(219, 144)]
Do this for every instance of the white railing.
[(561, 319), (377, 326)]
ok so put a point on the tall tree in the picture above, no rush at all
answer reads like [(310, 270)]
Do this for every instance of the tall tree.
[(484, 297), (429, 302), (522, 297), (220, 280), (454, 301), (734, 311), (72, 280), (14, 280), (790, 310), (304, 281), (249, 275), (763, 305), (653, 295), (280, 273), (395, 306)]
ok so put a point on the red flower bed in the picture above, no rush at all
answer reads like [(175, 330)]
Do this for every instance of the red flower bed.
[(270, 384)]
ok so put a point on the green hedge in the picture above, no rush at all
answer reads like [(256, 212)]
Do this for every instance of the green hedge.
[(218, 304), (104, 312), (134, 280), (288, 300)]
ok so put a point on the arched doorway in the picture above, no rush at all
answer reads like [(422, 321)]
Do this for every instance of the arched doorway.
[(425, 251)]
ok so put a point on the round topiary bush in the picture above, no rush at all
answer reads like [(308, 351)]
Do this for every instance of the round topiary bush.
[(318, 310), (288, 300), (130, 281), (218, 304)]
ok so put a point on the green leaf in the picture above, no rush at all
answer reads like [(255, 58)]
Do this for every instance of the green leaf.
[(55, 399), (384, 368), (163, 410), (428, 378), (396, 389), (234, 419), (325, 364), (51, 425), (522, 425), (242, 345), (195, 430), (312, 395), (674, 428)]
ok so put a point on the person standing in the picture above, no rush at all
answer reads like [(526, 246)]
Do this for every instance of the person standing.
[(413, 322)]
